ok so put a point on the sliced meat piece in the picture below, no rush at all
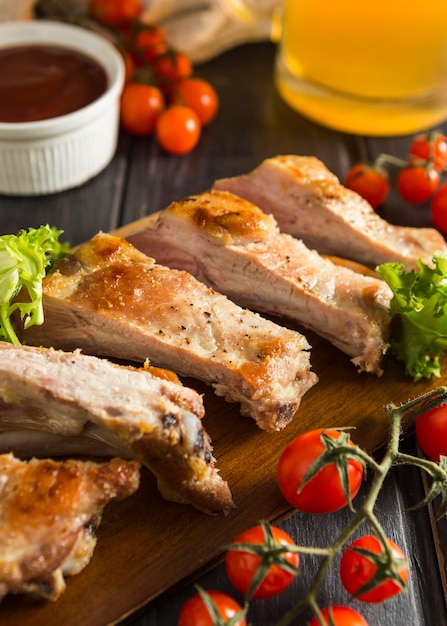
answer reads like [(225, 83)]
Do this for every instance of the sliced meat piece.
[(111, 300), (309, 202), (49, 512), (233, 246), (126, 409)]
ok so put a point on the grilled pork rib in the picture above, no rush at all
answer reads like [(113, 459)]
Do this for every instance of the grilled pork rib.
[(129, 411), (111, 300), (231, 245), (48, 515), (309, 202)]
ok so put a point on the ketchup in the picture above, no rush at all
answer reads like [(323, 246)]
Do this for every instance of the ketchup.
[(39, 82)]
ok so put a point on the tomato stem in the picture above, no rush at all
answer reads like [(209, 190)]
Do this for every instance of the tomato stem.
[(388, 158), (390, 459)]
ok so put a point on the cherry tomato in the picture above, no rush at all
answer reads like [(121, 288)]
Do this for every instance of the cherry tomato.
[(369, 181), (178, 129), (241, 566), (357, 569), (430, 145), (115, 12), (140, 107), (438, 208), (417, 183), (129, 65), (195, 613), (150, 42), (431, 432), (323, 493), (340, 616), (173, 65), (200, 96)]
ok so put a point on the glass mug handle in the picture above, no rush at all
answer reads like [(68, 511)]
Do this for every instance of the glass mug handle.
[(264, 15)]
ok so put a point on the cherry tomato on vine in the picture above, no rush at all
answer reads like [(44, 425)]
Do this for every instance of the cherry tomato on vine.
[(178, 129), (417, 183), (173, 65), (140, 107), (369, 181), (115, 12), (357, 569), (200, 96), (150, 42), (195, 613), (431, 432), (430, 145), (242, 565), (438, 208), (340, 616), (323, 493)]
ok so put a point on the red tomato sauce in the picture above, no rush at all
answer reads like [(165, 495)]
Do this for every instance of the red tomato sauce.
[(39, 82)]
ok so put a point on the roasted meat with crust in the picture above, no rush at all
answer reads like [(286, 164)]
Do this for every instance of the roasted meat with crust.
[(48, 515), (308, 202), (110, 299), (119, 410), (231, 245)]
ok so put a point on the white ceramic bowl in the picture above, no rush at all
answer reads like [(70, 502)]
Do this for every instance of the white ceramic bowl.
[(63, 152)]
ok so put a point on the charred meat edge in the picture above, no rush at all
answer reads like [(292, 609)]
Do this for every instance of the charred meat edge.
[(140, 415)]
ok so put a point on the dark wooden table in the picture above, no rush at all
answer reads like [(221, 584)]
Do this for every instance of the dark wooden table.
[(253, 123)]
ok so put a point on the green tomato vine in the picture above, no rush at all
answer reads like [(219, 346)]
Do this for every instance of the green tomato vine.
[(388, 565)]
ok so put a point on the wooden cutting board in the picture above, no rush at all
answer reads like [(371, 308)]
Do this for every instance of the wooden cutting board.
[(147, 545)]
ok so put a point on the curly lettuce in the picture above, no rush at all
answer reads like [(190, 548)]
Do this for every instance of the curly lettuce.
[(419, 300), (24, 261)]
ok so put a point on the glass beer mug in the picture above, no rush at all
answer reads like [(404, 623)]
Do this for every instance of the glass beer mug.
[(372, 68)]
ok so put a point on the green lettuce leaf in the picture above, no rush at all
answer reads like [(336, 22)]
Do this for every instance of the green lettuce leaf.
[(419, 300), (24, 261)]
